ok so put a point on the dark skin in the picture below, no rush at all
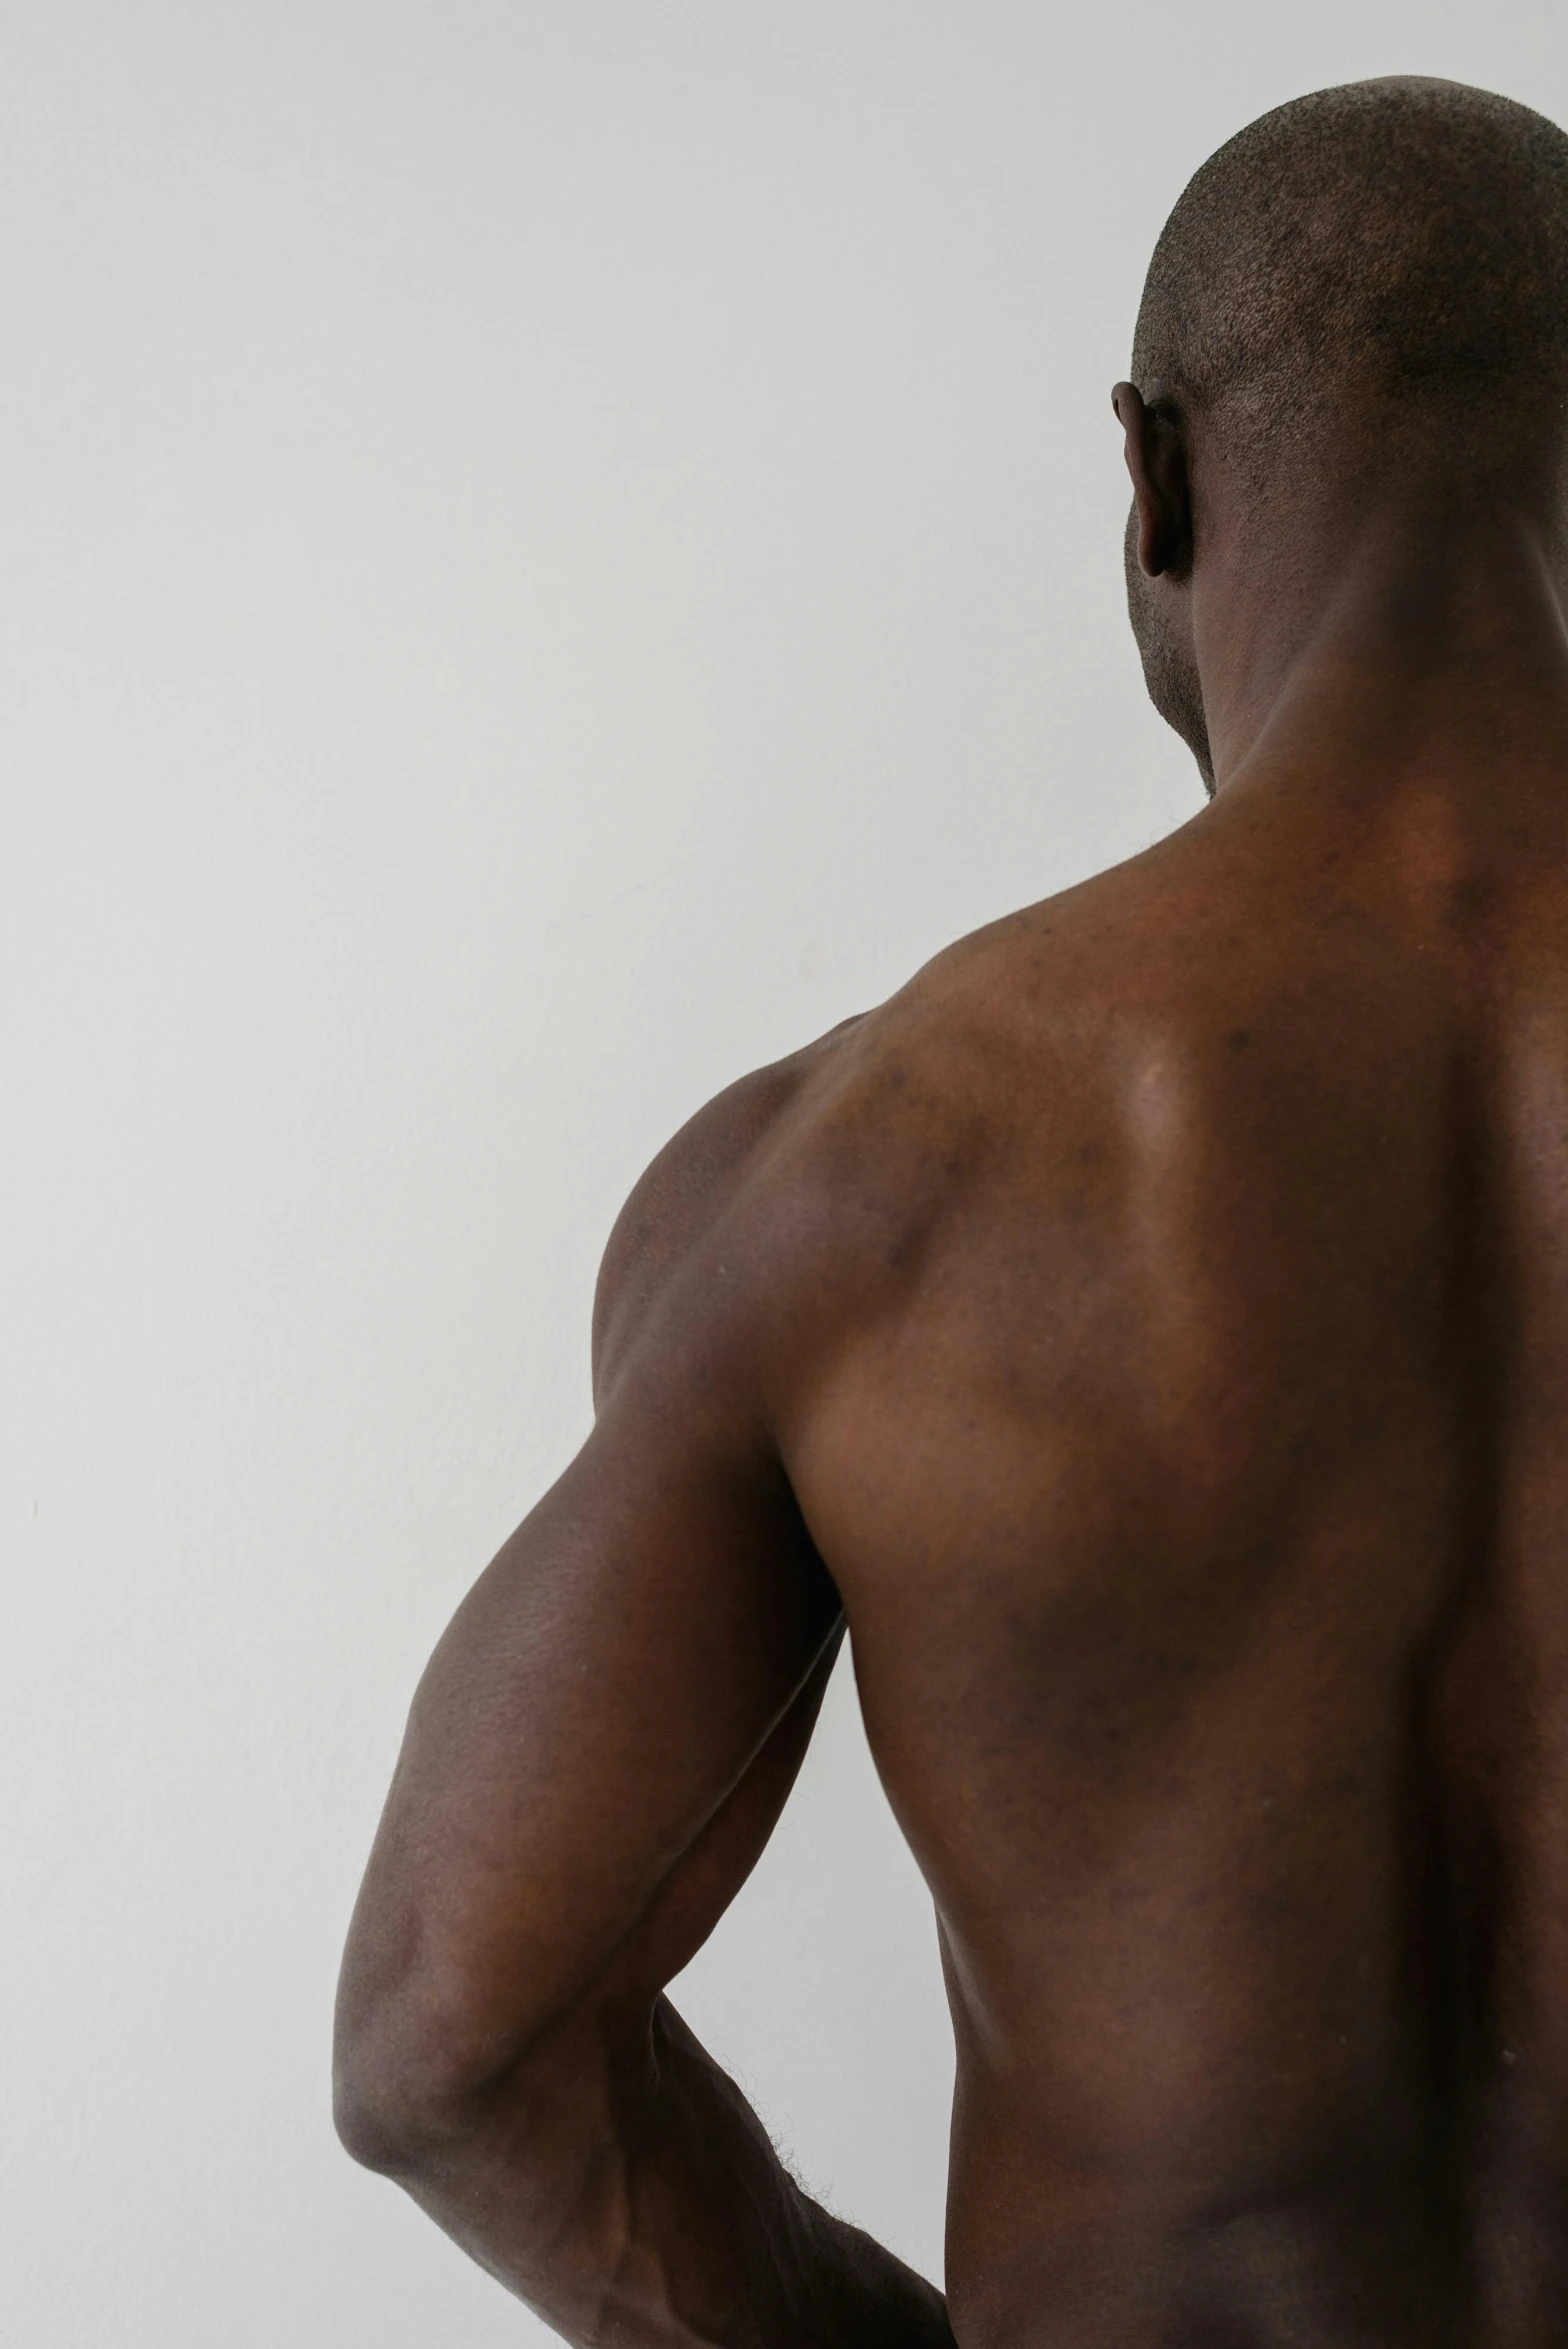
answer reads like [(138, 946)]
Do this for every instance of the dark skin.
[(1148, 1333)]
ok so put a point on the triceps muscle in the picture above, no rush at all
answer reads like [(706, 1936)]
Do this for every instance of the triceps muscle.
[(598, 1749)]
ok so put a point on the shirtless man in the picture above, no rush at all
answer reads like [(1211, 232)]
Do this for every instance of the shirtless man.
[(1148, 1333)]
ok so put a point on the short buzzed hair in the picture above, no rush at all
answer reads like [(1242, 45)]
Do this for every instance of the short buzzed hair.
[(1387, 241)]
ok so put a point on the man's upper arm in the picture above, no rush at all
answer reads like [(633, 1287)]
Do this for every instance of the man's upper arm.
[(605, 1733)]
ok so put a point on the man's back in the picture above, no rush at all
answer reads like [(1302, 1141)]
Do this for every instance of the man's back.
[(1187, 1467), (1148, 1333)]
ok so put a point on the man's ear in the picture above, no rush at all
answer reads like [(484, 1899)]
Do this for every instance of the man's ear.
[(1157, 460)]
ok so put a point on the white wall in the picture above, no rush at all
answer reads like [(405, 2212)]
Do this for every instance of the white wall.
[(548, 553)]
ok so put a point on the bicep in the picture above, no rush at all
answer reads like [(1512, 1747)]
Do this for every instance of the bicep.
[(603, 1737)]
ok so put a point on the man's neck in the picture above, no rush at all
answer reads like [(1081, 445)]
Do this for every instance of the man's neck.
[(1409, 633)]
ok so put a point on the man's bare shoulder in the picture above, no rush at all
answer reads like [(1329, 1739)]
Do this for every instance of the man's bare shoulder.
[(794, 1132), (710, 1176), (798, 1183)]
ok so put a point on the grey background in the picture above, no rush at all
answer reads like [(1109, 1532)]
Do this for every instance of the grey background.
[(548, 554)]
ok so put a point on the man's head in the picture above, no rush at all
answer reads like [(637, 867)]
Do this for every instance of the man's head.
[(1360, 276)]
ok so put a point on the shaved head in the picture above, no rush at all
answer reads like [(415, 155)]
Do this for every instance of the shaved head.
[(1389, 244), (1362, 297)]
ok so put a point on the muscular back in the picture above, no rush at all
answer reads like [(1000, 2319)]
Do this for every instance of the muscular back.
[(1176, 1404), (1149, 1333)]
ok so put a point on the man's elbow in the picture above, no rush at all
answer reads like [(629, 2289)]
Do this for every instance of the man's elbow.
[(408, 2096), (426, 2082), (392, 2118), (376, 2122)]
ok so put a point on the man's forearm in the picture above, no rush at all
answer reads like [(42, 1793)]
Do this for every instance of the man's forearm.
[(623, 2187)]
